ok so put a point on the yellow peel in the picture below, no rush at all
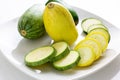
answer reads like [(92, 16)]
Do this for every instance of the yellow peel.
[(87, 56), (59, 23)]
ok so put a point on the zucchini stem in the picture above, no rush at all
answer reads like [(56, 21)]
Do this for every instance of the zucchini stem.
[(50, 5), (23, 32)]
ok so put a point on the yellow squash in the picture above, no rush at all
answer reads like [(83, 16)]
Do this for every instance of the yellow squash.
[(59, 23)]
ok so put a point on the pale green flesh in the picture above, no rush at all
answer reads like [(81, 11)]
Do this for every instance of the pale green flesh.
[(39, 54), (87, 56), (96, 26), (69, 59), (88, 22), (60, 47)]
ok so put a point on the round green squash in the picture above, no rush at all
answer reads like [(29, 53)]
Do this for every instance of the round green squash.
[(30, 24)]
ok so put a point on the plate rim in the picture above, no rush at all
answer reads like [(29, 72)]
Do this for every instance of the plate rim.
[(36, 76)]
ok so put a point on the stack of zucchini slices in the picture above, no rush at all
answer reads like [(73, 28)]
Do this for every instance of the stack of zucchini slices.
[(59, 54), (95, 42)]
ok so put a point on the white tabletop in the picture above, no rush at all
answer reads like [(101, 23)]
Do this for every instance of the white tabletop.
[(107, 9)]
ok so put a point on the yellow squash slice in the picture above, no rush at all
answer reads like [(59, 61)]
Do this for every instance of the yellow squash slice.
[(92, 43), (87, 56), (103, 31), (100, 37)]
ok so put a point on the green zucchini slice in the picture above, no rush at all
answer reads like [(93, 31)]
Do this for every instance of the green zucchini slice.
[(86, 23), (95, 26), (67, 62), (40, 56), (62, 50)]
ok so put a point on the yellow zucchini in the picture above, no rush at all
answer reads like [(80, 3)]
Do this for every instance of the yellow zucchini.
[(59, 23)]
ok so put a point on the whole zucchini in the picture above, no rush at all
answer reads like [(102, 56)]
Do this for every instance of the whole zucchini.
[(30, 24), (71, 10), (58, 20)]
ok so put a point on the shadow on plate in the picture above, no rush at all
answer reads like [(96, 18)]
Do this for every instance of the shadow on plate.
[(25, 46)]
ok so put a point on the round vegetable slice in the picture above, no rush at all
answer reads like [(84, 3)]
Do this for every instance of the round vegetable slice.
[(40, 56), (100, 37), (92, 43), (86, 23), (103, 31), (96, 26), (67, 62), (62, 49), (87, 56)]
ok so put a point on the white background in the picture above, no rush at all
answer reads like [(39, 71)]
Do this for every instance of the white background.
[(107, 9)]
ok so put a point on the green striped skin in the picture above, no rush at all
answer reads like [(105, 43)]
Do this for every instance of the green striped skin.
[(30, 24), (73, 12)]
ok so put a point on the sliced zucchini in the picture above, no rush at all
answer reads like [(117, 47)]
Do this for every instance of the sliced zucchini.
[(62, 49), (67, 62), (87, 56), (92, 43), (102, 30), (86, 23), (100, 37), (96, 26), (40, 56)]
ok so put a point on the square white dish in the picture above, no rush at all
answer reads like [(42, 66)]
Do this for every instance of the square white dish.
[(14, 47)]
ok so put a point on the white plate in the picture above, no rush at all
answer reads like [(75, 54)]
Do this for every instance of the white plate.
[(14, 47)]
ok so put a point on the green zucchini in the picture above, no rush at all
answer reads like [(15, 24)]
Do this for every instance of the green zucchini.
[(30, 24), (86, 23), (62, 50), (40, 56), (67, 62), (96, 26), (71, 10)]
